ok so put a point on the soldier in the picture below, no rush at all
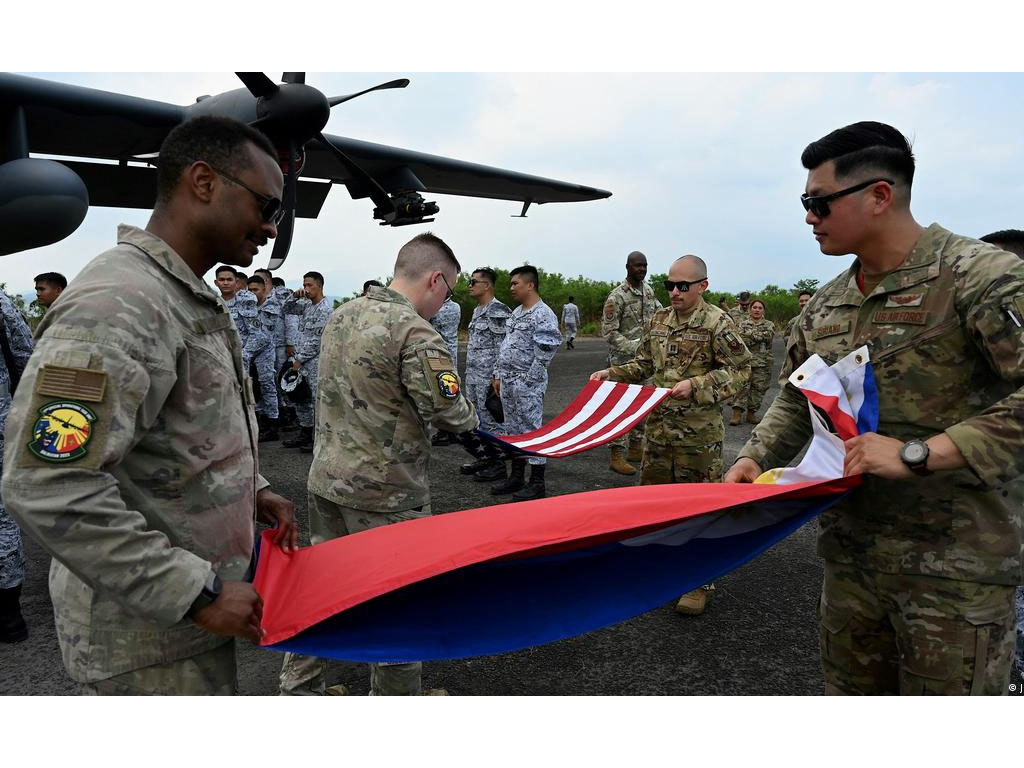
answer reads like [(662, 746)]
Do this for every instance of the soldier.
[(244, 309), (803, 297), (131, 452), (571, 321), (292, 310), (49, 286), (723, 304), (446, 323), (739, 312), (627, 312), (370, 283), (757, 333), (16, 343), (307, 353), (269, 316), (275, 306), (487, 329), (694, 348), (922, 559), (521, 376), (370, 464), (225, 282)]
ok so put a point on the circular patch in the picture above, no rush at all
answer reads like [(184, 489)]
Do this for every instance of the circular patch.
[(62, 431), (448, 384)]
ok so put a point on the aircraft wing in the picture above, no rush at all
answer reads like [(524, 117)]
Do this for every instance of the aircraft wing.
[(402, 170)]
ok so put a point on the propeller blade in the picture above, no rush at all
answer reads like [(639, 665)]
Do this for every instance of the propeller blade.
[(283, 241), (294, 77), (377, 193), (400, 83), (258, 83)]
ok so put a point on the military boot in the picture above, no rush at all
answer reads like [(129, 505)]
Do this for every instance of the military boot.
[(737, 416), (618, 463), (636, 452), (12, 624), (535, 488), (473, 467), (752, 417), (693, 603), (268, 430), (495, 470), (515, 481), (304, 438)]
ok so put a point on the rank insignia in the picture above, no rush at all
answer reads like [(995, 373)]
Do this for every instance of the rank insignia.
[(448, 385), (673, 348), (62, 431)]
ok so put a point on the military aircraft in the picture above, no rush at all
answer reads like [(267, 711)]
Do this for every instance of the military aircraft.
[(114, 140)]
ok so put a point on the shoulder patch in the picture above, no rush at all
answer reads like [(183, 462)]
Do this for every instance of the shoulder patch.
[(74, 383), (62, 431), (448, 384)]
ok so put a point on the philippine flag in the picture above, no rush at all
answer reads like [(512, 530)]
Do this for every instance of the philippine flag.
[(497, 579)]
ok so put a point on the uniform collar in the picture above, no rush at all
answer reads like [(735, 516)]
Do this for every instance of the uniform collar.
[(167, 260), (695, 318), (641, 291), (380, 293)]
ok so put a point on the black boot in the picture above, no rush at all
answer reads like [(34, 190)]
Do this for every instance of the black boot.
[(442, 438), (494, 470), (515, 481), (12, 624), (268, 430), (305, 437), (473, 467), (535, 488)]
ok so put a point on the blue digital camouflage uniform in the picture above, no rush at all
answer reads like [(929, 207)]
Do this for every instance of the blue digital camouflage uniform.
[(522, 369), (19, 342), (280, 295), (571, 319), (244, 310), (311, 327), (269, 316), (487, 330), (446, 322)]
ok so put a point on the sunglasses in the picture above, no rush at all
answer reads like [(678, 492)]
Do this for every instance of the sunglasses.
[(682, 285), (450, 291), (819, 205), (270, 207)]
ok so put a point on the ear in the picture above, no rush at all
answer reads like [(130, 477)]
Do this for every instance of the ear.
[(201, 181), (883, 196)]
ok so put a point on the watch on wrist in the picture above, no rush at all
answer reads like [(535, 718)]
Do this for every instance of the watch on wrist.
[(209, 593), (914, 454)]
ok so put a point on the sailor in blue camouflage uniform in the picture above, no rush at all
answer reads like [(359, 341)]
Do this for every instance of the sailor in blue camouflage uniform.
[(269, 316), (522, 376), (487, 330), (307, 352), (16, 339), (446, 323)]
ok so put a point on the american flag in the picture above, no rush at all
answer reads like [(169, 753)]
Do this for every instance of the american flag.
[(600, 413)]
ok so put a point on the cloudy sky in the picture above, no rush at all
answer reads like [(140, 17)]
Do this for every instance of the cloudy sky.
[(697, 163)]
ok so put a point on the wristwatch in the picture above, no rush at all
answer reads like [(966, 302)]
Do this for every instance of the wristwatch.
[(210, 592), (914, 454)]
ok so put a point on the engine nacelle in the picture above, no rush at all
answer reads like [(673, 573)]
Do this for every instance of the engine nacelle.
[(41, 202)]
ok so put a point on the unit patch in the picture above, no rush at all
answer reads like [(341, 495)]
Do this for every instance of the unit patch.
[(62, 431), (448, 385), (909, 317)]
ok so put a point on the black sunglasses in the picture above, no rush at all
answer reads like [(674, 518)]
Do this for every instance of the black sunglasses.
[(682, 285), (819, 205), (270, 207), (450, 291)]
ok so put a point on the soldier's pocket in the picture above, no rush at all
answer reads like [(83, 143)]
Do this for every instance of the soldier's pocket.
[(834, 638)]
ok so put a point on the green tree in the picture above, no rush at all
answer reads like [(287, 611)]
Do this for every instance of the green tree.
[(807, 284)]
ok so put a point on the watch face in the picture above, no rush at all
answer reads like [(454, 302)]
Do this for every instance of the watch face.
[(914, 452)]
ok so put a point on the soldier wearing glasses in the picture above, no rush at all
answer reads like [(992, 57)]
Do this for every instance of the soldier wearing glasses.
[(922, 559), (694, 348)]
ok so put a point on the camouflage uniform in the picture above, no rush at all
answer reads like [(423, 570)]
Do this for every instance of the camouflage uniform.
[(145, 477), (920, 573), (571, 320), (529, 345), (244, 309), (446, 322), (487, 329), (684, 437), (280, 295), (307, 351), (627, 313), (19, 342), (269, 315), (758, 337), (387, 375), (738, 314)]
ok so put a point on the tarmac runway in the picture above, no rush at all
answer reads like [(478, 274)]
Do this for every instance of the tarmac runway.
[(758, 636)]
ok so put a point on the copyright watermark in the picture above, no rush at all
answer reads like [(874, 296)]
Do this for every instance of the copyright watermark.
[(1016, 688)]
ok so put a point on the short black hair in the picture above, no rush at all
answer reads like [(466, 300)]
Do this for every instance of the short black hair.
[(368, 283), (220, 141), (488, 273), (264, 270), (241, 276), (529, 272), (225, 268), (571, 298), (277, 281), (863, 146), (805, 293), (257, 279), (316, 276), (1003, 236), (56, 279)]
